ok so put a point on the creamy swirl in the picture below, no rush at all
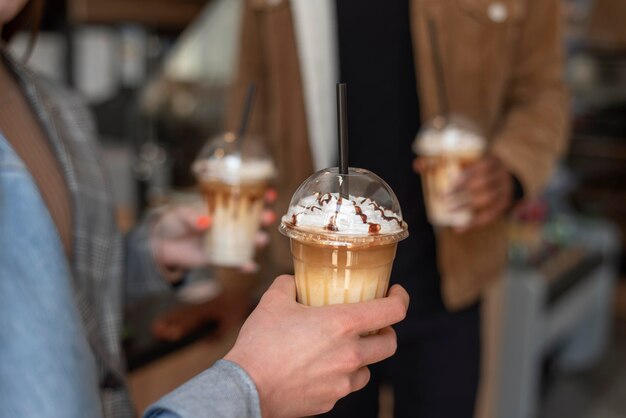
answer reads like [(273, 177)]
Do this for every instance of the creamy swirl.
[(232, 170), (354, 216), (449, 140)]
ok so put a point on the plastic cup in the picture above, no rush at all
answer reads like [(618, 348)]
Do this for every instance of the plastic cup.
[(447, 151), (343, 247), (233, 178)]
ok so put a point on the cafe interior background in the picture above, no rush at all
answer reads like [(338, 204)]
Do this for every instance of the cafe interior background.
[(156, 74)]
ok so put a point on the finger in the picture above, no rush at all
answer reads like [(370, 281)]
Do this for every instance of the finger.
[(484, 181), (192, 218), (271, 195), (377, 347), (268, 217), (488, 216), (487, 199), (203, 223), (478, 170), (483, 218), (399, 292), (376, 314), (360, 378), (189, 253), (262, 239), (419, 165)]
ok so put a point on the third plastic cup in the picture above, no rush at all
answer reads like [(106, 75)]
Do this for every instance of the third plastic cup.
[(447, 150), (344, 231)]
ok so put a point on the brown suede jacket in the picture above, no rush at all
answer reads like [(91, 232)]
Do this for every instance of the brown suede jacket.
[(502, 64)]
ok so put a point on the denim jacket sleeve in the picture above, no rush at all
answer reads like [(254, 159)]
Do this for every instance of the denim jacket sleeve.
[(223, 391)]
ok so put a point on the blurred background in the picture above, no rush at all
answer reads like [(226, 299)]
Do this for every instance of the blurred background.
[(156, 74)]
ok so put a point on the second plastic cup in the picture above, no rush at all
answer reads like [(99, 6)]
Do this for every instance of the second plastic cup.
[(233, 178), (344, 233)]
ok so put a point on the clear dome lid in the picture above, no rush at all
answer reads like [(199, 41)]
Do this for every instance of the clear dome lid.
[(456, 134), (229, 160), (334, 209)]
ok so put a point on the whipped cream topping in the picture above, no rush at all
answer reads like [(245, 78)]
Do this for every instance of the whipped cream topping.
[(354, 216), (231, 169), (450, 139)]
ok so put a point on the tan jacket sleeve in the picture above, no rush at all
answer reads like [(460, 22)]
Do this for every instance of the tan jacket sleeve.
[(534, 131)]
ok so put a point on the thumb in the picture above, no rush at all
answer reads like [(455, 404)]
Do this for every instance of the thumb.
[(193, 218)]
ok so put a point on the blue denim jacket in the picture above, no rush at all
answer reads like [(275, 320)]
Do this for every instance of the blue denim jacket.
[(47, 368)]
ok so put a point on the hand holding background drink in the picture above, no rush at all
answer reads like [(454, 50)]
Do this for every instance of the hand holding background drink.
[(446, 152), (234, 172), (233, 178), (464, 187)]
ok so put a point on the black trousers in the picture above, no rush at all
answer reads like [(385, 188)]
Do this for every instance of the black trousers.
[(434, 373)]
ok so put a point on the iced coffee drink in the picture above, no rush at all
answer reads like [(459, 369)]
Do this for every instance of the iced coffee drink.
[(343, 239), (233, 179), (447, 152)]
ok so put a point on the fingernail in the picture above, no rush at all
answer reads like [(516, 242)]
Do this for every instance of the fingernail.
[(269, 217), (203, 222), (271, 195)]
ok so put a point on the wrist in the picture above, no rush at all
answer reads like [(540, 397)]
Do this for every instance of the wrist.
[(262, 387)]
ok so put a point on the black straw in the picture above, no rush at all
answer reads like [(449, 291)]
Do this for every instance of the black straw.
[(247, 110), (444, 109), (342, 126)]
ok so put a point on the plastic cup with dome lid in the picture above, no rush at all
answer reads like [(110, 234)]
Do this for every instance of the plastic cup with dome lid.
[(233, 174), (343, 241)]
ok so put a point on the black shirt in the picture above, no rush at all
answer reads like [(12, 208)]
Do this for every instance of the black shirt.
[(376, 61)]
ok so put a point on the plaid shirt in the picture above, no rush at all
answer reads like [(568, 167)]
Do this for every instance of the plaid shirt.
[(108, 270)]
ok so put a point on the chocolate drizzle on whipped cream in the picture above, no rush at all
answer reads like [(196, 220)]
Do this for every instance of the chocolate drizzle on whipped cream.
[(324, 199), (332, 213), (359, 212), (382, 214), (332, 224)]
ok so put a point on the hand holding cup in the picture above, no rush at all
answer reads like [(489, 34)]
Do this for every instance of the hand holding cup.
[(488, 186), (304, 359), (178, 237)]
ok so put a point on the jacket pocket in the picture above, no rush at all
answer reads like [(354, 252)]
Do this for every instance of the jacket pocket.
[(495, 13)]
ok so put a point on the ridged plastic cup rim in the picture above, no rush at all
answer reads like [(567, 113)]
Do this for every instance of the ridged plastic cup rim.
[(341, 240)]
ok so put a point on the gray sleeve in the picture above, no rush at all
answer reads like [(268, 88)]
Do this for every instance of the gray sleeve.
[(142, 278), (223, 391)]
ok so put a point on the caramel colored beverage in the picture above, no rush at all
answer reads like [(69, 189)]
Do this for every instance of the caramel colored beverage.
[(343, 245), (327, 275), (236, 214), (438, 180)]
